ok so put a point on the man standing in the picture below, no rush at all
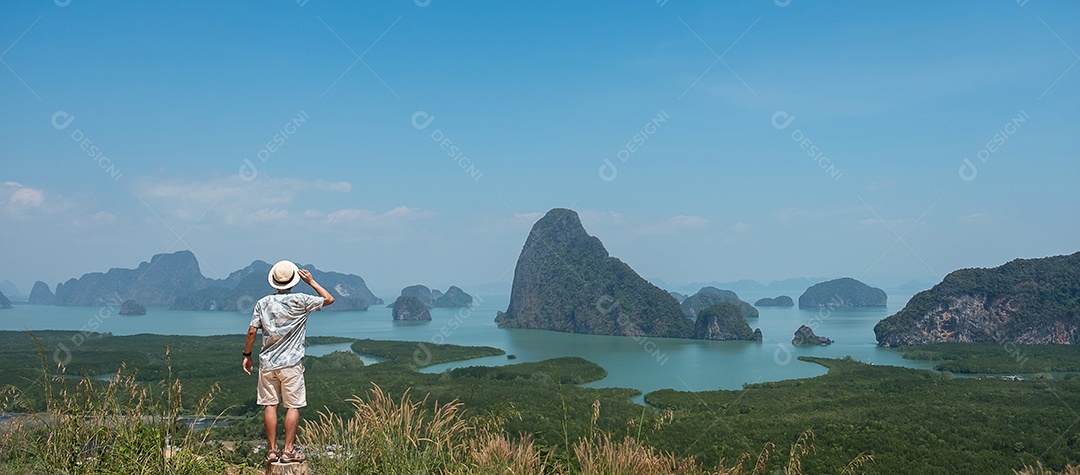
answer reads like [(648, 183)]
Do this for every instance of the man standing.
[(283, 320)]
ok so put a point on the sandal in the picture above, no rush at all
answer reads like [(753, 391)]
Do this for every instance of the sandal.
[(293, 457), (272, 456)]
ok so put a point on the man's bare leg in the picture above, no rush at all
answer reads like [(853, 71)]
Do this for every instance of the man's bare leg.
[(292, 420), (270, 423)]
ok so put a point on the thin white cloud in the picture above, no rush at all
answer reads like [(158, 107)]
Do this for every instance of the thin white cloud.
[(27, 197), (975, 218), (741, 227), (603, 218), (529, 217), (46, 207), (24, 202), (410, 213), (231, 200), (258, 216), (101, 218), (346, 215), (263, 190), (370, 218)]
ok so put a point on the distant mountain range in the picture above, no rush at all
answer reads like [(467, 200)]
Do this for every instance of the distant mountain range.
[(157, 282), (174, 280), (795, 283), (243, 287), (10, 291)]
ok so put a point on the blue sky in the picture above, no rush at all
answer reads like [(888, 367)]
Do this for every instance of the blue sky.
[(416, 142)]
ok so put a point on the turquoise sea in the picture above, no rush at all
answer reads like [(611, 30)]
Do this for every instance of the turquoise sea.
[(645, 364)]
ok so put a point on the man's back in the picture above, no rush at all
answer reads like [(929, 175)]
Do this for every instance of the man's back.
[(283, 320)]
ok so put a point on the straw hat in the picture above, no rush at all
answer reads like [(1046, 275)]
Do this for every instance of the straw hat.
[(284, 275)]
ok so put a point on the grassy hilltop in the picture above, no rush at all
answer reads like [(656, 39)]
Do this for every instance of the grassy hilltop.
[(521, 418)]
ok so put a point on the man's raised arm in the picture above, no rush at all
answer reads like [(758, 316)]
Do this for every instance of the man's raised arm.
[(305, 275)]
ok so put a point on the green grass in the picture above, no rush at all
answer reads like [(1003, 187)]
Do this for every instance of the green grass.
[(84, 426), (990, 358)]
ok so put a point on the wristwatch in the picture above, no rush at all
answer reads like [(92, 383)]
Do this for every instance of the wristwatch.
[(247, 354)]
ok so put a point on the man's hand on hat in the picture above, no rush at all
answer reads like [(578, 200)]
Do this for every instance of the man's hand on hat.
[(305, 275)]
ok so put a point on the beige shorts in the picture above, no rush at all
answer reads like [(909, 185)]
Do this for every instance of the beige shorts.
[(288, 381)]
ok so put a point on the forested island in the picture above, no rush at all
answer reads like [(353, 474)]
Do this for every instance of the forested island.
[(842, 293), (565, 281), (781, 301), (1025, 301)]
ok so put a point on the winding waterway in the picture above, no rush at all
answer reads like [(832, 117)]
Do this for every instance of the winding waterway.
[(646, 364)]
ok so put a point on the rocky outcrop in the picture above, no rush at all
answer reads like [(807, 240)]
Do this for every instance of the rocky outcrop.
[(410, 308), (421, 292), (566, 281), (1025, 301), (805, 336), (4, 301), (724, 321), (709, 296), (781, 301), (454, 298), (967, 319), (131, 307), (41, 295), (842, 293)]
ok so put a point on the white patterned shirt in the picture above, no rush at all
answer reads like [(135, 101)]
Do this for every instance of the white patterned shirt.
[(283, 320)]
